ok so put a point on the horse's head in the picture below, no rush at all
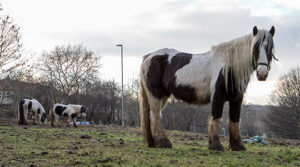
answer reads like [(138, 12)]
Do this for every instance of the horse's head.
[(83, 111), (262, 51), (43, 117)]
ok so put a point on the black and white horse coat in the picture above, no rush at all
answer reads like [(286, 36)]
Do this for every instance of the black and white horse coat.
[(70, 111), (33, 107), (215, 77)]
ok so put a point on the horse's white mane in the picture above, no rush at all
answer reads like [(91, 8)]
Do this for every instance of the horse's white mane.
[(237, 56)]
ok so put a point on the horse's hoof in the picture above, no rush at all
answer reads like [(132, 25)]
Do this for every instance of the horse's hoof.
[(239, 147), (216, 147), (163, 143), (151, 145)]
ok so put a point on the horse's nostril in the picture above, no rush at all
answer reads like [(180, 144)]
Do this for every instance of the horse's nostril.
[(261, 77), (262, 74)]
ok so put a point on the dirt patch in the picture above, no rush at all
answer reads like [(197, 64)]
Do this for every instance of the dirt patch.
[(85, 136), (288, 142)]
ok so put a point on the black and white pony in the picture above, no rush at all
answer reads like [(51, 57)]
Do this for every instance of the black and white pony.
[(215, 77), (70, 111), (33, 107)]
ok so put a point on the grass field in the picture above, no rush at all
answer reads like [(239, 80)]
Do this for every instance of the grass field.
[(117, 146)]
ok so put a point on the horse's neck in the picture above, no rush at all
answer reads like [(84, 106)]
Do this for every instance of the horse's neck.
[(241, 45), (237, 59)]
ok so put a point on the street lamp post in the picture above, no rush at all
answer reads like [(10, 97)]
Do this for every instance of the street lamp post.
[(122, 82)]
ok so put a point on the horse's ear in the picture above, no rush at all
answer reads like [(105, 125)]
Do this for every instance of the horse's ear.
[(255, 30), (272, 30)]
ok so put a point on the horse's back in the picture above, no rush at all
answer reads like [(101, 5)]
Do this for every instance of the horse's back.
[(185, 75), (75, 107), (36, 104)]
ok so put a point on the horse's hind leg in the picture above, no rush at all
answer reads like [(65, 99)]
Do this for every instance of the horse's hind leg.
[(53, 118), (235, 142), (145, 116), (160, 138), (25, 117)]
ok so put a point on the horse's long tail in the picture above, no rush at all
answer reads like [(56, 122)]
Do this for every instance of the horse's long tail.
[(145, 115), (52, 117), (21, 114)]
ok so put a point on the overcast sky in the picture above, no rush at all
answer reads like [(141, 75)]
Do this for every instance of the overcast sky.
[(144, 26)]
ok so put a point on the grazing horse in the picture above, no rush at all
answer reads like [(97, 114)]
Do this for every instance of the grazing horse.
[(217, 76), (70, 111), (33, 107)]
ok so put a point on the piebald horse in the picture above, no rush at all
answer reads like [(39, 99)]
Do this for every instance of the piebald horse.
[(70, 111), (33, 107), (217, 76)]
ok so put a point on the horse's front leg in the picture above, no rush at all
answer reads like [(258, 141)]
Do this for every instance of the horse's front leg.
[(215, 121), (34, 116), (235, 142), (68, 122), (74, 122)]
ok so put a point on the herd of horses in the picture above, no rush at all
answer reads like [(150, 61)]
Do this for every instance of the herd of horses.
[(36, 110), (217, 76)]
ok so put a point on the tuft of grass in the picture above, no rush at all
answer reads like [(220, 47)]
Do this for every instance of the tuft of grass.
[(115, 146)]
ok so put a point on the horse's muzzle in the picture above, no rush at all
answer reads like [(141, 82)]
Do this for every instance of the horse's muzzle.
[(261, 77)]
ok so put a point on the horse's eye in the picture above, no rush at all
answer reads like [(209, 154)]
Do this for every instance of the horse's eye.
[(266, 49)]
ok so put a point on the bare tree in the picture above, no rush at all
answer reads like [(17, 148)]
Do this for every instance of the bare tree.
[(24, 74), (103, 102), (283, 120), (181, 116), (250, 119), (69, 68), (132, 117), (10, 44)]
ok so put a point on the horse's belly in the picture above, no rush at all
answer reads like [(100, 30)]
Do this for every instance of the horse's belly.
[(193, 93), (203, 94), (198, 84)]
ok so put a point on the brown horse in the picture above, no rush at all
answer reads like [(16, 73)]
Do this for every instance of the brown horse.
[(215, 77)]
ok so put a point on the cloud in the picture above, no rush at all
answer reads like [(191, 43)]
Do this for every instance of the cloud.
[(190, 26), (291, 4), (145, 26), (186, 26)]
